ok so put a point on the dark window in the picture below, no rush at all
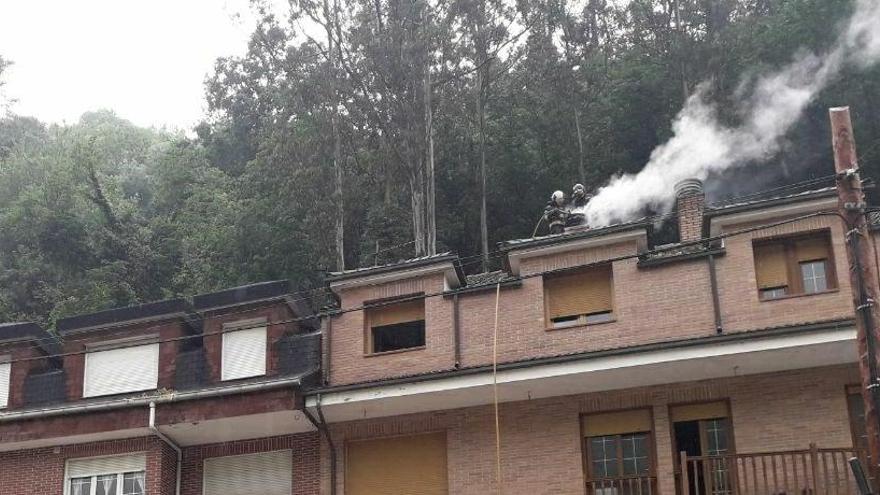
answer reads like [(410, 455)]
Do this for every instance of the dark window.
[(856, 407), (395, 327), (399, 336)]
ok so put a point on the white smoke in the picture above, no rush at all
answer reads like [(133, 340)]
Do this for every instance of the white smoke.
[(701, 145)]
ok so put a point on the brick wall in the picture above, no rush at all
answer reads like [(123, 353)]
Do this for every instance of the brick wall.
[(541, 443), (304, 447), (667, 302), (76, 424), (349, 362), (41, 471), (737, 286), (23, 364), (166, 330), (213, 341)]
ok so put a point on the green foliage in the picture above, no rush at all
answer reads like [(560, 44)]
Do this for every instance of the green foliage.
[(102, 213)]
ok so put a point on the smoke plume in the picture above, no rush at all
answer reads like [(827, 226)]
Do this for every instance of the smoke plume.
[(701, 145)]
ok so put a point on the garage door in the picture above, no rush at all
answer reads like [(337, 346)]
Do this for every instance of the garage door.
[(411, 465)]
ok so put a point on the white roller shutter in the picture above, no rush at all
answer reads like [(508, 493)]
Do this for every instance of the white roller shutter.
[(129, 369), (269, 473), (5, 369), (244, 353), (96, 466)]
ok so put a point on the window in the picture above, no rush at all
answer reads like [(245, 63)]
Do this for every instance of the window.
[(413, 464), (120, 475), (618, 452), (116, 371), (856, 407), (396, 327), (579, 298), (268, 473), (797, 265), (244, 352), (5, 370)]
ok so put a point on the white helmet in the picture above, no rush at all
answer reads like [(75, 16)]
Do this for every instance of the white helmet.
[(558, 197)]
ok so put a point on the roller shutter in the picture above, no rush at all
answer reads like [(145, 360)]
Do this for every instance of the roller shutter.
[(244, 353), (816, 248), (5, 369), (771, 269), (410, 465), (116, 371), (268, 473), (581, 293), (694, 412), (96, 466), (397, 313), (617, 423)]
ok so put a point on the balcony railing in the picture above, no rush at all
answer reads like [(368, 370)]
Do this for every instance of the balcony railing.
[(637, 485), (813, 471)]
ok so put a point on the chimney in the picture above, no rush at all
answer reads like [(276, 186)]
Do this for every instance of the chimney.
[(690, 202)]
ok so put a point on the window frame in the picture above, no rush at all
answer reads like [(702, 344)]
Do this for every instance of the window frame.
[(587, 454), (580, 320), (93, 483), (794, 275), (243, 326), (379, 304)]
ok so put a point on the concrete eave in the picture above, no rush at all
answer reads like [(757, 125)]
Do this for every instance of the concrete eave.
[(451, 274), (638, 235), (720, 219), (746, 354)]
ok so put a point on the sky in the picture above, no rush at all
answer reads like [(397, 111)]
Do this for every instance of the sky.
[(147, 61)]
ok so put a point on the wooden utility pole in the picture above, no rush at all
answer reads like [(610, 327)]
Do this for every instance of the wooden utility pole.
[(851, 206)]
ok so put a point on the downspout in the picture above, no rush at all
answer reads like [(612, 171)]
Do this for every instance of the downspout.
[(456, 332), (168, 442), (716, 302), (321, 424)]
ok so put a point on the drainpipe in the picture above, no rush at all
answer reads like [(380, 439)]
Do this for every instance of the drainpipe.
[(321, 424), (170, 443), (716, 303), (456, 332)]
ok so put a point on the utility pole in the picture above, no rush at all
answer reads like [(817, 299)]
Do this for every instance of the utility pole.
[(851, 206)]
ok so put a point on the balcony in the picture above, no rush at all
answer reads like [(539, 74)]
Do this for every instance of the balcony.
[(796, 472)]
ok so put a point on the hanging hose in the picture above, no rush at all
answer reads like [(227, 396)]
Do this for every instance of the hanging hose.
[(495, 390), (537, 225)]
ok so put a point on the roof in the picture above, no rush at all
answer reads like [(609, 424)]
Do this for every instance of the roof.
[(181, 307), (398, 265), (168, 308), (573, 234), (770, 198), (489, 278), (241, 295), (29, 331)]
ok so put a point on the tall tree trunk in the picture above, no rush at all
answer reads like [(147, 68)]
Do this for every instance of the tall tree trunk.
[(582, 173), (417, 189), (481, 120), (430, 218), (338, 197)]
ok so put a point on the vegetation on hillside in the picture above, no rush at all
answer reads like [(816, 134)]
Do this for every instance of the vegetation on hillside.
[(364, 131)]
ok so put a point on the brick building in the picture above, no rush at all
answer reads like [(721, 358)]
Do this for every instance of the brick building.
[(710, 353)]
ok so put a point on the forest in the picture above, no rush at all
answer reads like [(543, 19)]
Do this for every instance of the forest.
[(360, 132)]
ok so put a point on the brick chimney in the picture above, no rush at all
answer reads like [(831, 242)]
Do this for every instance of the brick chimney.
[(690, 203)]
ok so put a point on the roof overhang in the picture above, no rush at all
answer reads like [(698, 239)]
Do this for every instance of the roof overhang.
[(515, 256), (714, 358), (720, 219), (451, 275)]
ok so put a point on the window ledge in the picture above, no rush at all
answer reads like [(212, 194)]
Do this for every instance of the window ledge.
[(795, 296), (396, 351), (580, 325)]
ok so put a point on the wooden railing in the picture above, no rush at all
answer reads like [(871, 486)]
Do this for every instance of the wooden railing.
[(637, 485), (813, 471)]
